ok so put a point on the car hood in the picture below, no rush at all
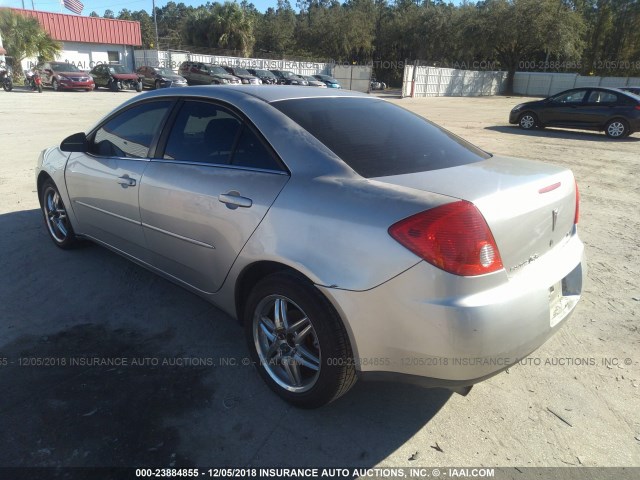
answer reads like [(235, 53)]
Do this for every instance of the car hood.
[(125, 76), (74, 74), (533, 103), (225, 76), (172, 77)]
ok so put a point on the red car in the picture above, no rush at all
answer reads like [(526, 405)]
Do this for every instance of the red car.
[(116, 77), (64, 76)]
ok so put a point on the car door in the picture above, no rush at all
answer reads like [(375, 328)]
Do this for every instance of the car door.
[(603, 105), (566, 109), (209, 187), (104, 182)]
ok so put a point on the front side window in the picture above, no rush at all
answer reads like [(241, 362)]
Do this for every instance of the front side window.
[(130, 133), (571, 97)]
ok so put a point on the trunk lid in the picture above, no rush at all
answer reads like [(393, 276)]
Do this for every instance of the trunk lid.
[(529, 206)]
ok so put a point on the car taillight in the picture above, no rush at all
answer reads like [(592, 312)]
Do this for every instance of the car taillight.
[(637, 107), (454, 237), (577, 215)]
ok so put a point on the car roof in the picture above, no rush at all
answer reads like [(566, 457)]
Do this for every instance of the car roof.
[(266, 93), (274, 93)]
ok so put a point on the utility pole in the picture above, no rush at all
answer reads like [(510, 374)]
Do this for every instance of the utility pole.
[(155, 23)]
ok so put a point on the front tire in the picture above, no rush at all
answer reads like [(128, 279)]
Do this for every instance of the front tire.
[(54, 85), (138, 86), (157, 85), (617, 128), (527, 121), (55, 216), (297, 341), (113, 86)]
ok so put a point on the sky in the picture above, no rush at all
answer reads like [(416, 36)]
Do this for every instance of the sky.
[(115, 5)]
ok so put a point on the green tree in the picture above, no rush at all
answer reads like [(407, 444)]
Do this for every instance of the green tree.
[(146, 25), (275, 29), (512, 31), (234, 27), (23, 37)]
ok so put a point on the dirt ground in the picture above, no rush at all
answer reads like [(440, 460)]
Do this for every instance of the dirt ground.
[(574, 402)]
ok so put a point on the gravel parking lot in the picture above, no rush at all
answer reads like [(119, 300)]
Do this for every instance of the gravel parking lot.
[(189, 400)]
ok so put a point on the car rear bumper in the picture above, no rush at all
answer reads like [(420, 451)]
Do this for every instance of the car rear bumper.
[(437, 329)]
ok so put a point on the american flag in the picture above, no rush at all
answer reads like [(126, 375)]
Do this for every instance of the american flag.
[(75, 6)]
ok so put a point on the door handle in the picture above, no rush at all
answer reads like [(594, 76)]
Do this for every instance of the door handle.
[(233, 200), (126, 181)]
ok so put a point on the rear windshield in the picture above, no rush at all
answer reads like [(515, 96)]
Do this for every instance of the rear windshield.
[(376, 138)]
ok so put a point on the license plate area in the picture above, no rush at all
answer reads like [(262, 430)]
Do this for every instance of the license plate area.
[(564, 295)]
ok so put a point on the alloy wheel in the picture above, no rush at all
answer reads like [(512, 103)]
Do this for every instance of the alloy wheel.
[(616, 129), (527, 121), (55, 215), (286, 343)]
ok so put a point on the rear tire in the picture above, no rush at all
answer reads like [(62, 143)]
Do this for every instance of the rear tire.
[(113, 86), (527, 121), (157, 84), (138, 86), (297, 341), (617, 128), (54, 85)]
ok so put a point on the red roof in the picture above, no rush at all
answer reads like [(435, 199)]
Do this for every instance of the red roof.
[(76, 28)]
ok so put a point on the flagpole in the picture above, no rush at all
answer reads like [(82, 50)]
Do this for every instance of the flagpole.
[(155, 22)]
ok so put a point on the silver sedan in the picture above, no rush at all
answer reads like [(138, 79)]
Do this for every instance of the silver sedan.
[(352, 238)]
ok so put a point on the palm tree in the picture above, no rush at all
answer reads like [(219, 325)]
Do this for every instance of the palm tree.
[(234, 26), (23, 37)]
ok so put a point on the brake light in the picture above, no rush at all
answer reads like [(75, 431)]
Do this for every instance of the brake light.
[(454, 237), (637, 107), (577, 215)]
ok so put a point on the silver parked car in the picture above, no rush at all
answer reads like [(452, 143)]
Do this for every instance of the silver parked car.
[(351, 237)]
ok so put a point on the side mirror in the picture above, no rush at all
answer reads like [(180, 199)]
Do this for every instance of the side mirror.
[(75, 143)]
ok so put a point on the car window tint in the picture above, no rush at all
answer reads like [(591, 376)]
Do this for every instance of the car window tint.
[(571, 97), (377, 138), (202, 132), (130, 133), (598, 96), (251, 152)]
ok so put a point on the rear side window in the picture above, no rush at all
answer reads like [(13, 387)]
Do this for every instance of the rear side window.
[(208, 133), (598, 96), (202, 132), (376, 138)]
